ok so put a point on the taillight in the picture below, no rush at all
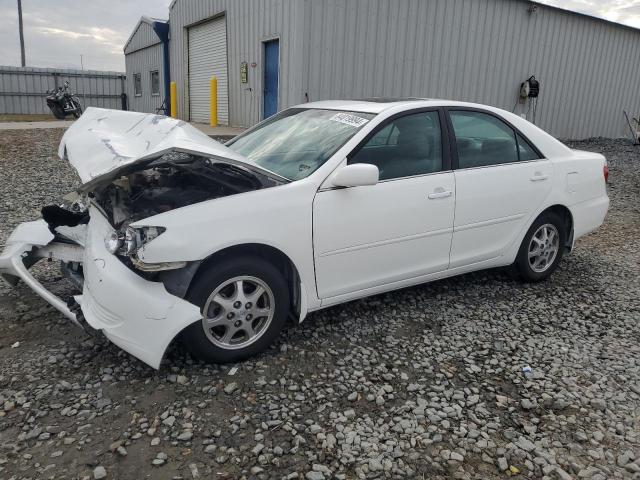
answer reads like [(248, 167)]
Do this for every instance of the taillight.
[(605, 172)]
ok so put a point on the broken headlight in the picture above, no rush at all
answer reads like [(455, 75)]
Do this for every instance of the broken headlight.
[(136, 238), (113, 242), (132, 239)]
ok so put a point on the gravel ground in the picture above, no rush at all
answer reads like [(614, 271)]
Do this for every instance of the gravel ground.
[(424, 383)]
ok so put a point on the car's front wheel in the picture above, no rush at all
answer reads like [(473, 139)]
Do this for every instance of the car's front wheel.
[(244, 303), (542, 248)]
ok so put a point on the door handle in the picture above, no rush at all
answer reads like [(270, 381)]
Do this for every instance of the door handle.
[(440, 194), (538, 177)]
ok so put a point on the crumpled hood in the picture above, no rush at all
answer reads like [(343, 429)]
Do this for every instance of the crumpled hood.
[(102, 142)]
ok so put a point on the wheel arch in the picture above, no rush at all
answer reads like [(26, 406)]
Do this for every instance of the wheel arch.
[(179, 282), (567, 219), (273, 255)]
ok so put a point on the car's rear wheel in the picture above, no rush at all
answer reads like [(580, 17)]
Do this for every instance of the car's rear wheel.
[(244, 303), (542, 248)]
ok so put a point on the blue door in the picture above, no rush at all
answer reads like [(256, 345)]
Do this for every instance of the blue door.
[(271, 72)]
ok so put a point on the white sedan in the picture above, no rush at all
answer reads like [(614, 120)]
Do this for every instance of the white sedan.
[(173, 235)]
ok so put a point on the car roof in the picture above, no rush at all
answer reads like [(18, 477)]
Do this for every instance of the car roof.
[(367, 105), (549, 145), (377, 105)]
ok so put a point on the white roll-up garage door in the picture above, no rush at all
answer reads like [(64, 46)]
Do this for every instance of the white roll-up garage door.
[(208, 58)]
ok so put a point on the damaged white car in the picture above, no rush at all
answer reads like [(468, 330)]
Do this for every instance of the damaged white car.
[(173, 235)]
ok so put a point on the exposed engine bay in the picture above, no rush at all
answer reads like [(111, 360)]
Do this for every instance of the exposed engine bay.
[(169, 182), (173, 181)]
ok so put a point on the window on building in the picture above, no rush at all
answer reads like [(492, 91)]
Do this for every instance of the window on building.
[(137, 84), (155, 82), (407, 146)]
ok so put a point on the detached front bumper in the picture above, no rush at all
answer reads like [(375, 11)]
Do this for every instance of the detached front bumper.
[(138, 315), (21, 252)]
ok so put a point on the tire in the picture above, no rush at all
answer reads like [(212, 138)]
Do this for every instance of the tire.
[(58, 112), (77, 113), (538, 258), (254, 329)]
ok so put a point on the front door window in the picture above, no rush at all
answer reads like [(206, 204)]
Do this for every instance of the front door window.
[(407, 146)]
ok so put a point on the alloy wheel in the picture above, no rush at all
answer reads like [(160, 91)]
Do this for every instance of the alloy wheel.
[(238, 312), (543, 247)]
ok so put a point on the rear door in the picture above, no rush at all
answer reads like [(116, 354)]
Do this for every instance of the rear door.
[(501, 179)]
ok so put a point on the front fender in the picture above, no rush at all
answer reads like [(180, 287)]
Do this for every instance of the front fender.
[(278, 217)]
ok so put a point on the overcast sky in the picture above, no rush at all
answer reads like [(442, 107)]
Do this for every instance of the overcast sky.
[(57, 32)]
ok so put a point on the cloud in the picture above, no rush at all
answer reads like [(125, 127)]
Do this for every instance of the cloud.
[(626, 12), (58, 32), (106, 37)]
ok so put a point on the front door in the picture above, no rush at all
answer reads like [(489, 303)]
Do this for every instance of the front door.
[(500, 182), (398, 229), (271, 73)]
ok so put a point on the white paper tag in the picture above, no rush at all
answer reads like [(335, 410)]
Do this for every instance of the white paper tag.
[(349, 119)]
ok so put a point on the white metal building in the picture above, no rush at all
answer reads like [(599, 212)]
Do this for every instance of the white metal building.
[(145, 65), (271, 54)]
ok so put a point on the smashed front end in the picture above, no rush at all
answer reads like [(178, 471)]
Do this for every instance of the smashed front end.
[(133, 166), (31, 242)]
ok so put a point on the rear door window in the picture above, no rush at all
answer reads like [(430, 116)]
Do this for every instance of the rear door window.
[(482, 139), (525, 150)]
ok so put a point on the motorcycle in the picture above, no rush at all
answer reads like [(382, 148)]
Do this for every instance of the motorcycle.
[(62, 102)]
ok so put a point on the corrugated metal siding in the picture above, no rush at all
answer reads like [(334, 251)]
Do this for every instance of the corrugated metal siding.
[(249, 23), (23, 89), (208, 58), (476, 50), (144, 61), (143, 37)]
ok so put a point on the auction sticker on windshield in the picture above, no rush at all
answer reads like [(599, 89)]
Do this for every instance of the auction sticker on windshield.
[(349, 119)]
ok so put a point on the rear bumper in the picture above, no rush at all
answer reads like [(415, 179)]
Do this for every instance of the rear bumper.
[(138, 315), (588, 215)]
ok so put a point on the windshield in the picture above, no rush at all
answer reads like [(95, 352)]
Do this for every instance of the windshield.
[(297, 141)]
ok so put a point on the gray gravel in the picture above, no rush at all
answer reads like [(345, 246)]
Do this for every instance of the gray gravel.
[(427, 382)]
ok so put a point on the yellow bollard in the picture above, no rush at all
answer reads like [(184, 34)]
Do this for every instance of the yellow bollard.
[(174, 99), (214, 102)]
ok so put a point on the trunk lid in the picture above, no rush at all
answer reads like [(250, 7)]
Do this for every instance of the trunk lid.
[(102, 143)]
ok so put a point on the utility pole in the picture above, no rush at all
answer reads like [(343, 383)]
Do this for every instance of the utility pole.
[(21, 32), (81, 63)]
